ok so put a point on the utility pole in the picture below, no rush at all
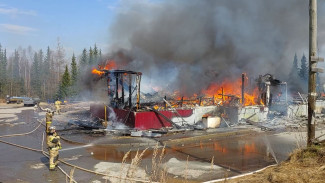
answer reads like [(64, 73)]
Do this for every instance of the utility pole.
[(312, 71)]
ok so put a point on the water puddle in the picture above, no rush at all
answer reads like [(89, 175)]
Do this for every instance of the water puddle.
[(236, 155)]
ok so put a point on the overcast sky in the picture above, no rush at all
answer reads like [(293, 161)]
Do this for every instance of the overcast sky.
[(39, 23)]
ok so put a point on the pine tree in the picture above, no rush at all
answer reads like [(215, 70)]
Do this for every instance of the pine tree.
[(16, 66), (74, 70), (294, 69), (45, 73), (14, 79), (303, 73), (3, 72), (74, 76), (96, 55), (35, 76), (83, 60), (41, 73), (91, 57), (64, 88)]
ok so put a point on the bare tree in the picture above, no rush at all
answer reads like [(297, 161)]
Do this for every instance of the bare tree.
[(59, 59)]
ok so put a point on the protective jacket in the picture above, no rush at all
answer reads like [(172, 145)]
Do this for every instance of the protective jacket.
[(53, 141), (49, 116)]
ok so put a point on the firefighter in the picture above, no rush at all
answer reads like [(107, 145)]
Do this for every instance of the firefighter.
[(48, 119), (53, 144), (57, 106)]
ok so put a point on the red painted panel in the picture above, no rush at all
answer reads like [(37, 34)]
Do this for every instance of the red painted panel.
[(139, 120), (122, 116), (152, 120)]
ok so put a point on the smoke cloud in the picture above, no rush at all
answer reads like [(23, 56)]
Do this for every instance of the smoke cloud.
[(186, 45)]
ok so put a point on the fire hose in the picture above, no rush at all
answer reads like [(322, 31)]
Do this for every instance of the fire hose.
[(21, 134), (62, 161), (32, 149)]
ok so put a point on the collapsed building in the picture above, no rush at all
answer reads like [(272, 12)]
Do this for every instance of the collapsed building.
[(251, 101)]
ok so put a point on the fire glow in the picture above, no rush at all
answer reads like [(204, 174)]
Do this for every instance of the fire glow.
[(110, 65), (224, 92), (231, 88)]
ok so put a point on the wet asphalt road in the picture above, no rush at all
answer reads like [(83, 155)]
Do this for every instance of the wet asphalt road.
[(21, 165), (237, 154)]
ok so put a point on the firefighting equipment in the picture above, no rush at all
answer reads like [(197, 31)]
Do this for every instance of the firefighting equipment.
[(53, 143)]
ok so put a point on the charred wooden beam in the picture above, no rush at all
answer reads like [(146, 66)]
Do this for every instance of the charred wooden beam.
[(222, 94), (165, 103), (116, 87), (243, 89), (138, 90), (130, 91), (122, 83)]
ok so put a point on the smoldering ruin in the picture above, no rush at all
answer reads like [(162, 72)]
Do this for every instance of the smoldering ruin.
[(207, 83)]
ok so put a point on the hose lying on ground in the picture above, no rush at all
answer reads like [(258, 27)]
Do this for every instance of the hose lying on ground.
[(64, 162), (28, 148), (21, 134)]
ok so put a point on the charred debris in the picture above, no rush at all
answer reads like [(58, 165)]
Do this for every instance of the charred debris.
[(128, 111)]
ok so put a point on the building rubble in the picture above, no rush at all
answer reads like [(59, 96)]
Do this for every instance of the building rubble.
[(263, 102)]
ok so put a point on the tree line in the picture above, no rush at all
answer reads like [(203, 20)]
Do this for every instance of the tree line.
[(298, 76), (48, 75)]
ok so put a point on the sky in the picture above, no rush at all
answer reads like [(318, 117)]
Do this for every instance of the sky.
[(78, 24), (220, 36)]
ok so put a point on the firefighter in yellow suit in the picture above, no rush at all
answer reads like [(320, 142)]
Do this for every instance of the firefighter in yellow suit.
[(48, 118), (57, 106), (53, 144)]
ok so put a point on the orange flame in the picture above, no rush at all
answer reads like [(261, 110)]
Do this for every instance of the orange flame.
[(110, 64), (232, 88), (222, 93), (95, 71)]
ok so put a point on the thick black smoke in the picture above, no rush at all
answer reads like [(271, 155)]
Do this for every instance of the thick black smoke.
[(187, 44)]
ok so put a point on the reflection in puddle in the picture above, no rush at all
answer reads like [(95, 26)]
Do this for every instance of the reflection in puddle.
[(236, 154)]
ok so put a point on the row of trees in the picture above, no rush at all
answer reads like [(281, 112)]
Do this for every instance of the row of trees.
[(45, 75), (298, 76), (299, 73)]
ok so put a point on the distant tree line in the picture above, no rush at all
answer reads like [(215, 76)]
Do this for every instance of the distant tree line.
[(298, 76), (47, 75)]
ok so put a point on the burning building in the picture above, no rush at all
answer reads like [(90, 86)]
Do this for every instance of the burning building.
[(228, 101)]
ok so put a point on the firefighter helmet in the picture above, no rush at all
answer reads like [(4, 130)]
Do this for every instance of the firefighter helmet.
[(52, 128)]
